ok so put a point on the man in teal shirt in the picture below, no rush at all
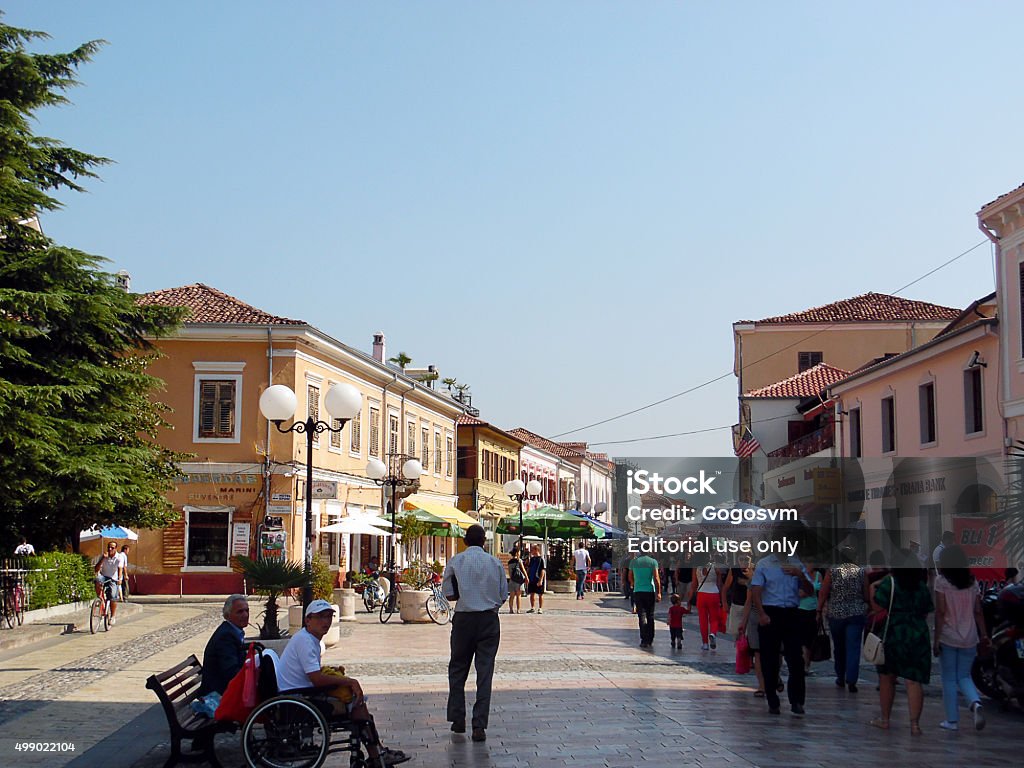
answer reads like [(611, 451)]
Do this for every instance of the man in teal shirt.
[(646, 584)]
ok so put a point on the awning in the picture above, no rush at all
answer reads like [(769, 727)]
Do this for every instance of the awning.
[(354, 525), (438, 526), (447, 512)]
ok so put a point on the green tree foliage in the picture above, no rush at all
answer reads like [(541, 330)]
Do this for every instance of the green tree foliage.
[(76, 417), (410, 529), (270, 576)]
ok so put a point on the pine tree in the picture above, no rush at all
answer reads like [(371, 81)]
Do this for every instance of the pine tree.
[(77, 420)]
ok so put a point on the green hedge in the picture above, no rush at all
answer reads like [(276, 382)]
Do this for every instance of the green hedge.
[(55, 578)]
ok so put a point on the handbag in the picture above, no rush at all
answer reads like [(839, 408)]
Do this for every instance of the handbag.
[(821, 646), (240, 697), (873, 650), (742, 655)]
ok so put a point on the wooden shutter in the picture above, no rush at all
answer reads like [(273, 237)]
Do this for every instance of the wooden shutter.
[(216, 409)]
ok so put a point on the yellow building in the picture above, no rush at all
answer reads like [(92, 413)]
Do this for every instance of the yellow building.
[(244, 471), (488, 458)]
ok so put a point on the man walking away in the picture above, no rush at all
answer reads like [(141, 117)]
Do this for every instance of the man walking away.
[(582, 558), (775, 593), (477, 581), (646, 584)]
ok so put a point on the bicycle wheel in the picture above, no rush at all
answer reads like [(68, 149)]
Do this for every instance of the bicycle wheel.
[(286, 732), (439, 609), (19, 605), (96, 616), (388, 607)]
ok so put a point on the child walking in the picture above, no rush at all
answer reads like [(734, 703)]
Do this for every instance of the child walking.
[(675, 623)]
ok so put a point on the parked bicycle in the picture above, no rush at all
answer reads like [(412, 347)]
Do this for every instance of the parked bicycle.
[(389, 605), (438, 608), (14, 597), (99, 612)]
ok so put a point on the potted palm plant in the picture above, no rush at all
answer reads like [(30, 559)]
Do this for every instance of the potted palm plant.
[(270, 576)]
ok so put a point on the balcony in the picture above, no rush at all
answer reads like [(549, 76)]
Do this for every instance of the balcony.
[(808, 445)]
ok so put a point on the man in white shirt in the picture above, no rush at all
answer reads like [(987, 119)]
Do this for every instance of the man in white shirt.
[(582, 558), (300, 668), (24, 549), (947, 539), (477, 581)]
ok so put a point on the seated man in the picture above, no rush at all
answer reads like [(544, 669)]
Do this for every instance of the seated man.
[(225, 651), (109, 567), (300, 668)]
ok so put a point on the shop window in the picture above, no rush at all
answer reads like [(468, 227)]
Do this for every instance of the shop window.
[(208, 538)]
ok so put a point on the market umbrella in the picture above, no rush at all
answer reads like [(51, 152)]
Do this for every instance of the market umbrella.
[(606, 530), (108, 532), (355, 525), (550, 523), (438, 526)]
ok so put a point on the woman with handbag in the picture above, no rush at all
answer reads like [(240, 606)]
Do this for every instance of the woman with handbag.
[(842, 599), (735, 592), (709, 603), (907, 641)]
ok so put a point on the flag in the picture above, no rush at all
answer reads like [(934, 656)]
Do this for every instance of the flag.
[(748, 444)]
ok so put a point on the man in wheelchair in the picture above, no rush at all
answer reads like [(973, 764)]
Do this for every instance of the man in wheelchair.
[(300, 668)]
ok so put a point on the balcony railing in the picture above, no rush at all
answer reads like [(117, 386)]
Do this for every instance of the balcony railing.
[(819, 440)]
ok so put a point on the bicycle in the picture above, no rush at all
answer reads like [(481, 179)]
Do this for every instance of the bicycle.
[(438, 608), (389, 605), (13, 600), (99, 612)]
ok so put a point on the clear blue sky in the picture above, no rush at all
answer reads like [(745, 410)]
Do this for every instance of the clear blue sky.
[(565, 205)]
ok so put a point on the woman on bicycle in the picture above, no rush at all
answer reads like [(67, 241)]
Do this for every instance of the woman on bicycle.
[(108, 568)]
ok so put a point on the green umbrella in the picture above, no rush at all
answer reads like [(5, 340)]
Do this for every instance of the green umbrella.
[(438, 526), (550, 523)]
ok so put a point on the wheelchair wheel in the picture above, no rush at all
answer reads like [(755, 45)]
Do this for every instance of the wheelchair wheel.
[(286, 732), (439, 610)]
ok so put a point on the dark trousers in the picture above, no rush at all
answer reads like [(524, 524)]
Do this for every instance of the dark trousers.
[(644, 602), (783, 633), (475, 638)]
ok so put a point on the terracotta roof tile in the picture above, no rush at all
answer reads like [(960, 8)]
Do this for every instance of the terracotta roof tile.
[(465, 420), (208, 305), (868, 307), (805, 384), (559, 449), (993, 202)]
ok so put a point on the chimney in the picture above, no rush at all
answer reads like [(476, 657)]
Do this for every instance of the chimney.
[(378, 347), (124, 281)]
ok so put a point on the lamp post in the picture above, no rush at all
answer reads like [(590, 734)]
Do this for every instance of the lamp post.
[(277, 404), (517, 490), (379, 472)]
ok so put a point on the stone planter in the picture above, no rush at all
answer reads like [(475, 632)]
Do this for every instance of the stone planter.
[(333, 635), (346, 600), (562, 587), (295, 618), (412, 606)]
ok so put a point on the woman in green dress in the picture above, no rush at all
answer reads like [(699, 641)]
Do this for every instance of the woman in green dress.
[(907, 639)]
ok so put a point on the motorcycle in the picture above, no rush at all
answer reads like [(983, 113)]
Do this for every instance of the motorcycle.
[(999, 674)]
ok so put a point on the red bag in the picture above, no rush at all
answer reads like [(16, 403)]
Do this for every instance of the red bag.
[(240, 697), (742, 655)]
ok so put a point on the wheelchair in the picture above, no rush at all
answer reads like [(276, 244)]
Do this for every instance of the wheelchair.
[(298, 729)]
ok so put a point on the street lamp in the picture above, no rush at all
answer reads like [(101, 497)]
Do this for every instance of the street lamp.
[(517, 490), (278, 404), (377, 471)]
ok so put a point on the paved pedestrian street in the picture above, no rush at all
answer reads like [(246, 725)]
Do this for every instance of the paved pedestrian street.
[(571, 688)]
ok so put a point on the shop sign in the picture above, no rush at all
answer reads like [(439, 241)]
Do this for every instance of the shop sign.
[(240, 539), (277, 510), (280, 497), (324, 489), (827, 486)]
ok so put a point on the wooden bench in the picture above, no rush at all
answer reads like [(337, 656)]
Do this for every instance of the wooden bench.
[(176, 688)]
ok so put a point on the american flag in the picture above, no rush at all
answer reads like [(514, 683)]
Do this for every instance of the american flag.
[(748, 444)]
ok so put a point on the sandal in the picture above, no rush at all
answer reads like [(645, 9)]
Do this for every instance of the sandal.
[(759, 694), (915, 728), (879, 723)]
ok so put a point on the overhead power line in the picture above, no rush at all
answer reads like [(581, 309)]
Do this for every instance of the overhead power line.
[(703, 384)]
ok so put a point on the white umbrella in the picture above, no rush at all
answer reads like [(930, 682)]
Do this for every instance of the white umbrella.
[(356, 525), (109, 532)]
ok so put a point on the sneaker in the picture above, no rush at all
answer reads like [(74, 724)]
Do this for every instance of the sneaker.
[(714, 644), (539, 610), (704, 646), (979, 716), (530, 611), (948, 726)]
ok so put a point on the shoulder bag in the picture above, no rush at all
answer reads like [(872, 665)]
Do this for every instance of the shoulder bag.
[(873, 650)]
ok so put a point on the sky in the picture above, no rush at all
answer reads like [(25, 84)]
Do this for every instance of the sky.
[(563, 205)]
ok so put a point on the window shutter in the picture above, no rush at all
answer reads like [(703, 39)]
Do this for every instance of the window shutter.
[(355, 436), (336, 436), (374, 432)]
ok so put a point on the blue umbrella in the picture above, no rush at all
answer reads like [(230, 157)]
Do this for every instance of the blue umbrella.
[(610, 531), (109, 532)]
